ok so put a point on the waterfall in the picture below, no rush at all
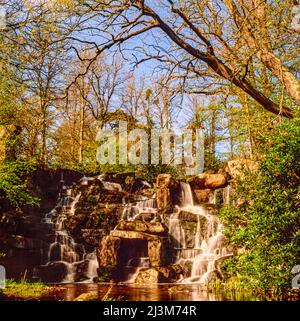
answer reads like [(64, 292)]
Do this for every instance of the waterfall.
[(64, 250), (142, 264), (208, 246), (176, 231), (111, 186), (186, 195), (142, 205)]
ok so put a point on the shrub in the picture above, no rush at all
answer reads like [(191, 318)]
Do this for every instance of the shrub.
[(265, 220)]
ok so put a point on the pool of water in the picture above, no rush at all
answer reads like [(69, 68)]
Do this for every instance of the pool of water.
[(159, 292)]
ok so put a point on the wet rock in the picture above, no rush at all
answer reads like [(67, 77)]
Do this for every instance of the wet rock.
[(165, 181), (53, 272), (166, 188), (163, 199), (140, 226), (203, 195), (21, 242), (156, 253), (171, 273), (180, 289), (151, 276), (93, 236), (108, 251), (89, 296), (81, 269), (145, 217)]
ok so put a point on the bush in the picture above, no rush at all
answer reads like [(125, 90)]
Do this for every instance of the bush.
[(14, 183), (265, 220)]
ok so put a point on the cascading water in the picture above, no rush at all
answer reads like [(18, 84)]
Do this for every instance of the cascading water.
[(64, 250), (208, 248), (143, 263), (142, 205)]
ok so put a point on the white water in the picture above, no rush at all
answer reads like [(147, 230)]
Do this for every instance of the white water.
[(64, 249), (208, 247), (143, 205), (112, 186), (186, 195), (143, 264)]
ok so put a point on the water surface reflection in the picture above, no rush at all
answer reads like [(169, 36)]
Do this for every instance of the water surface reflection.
[(159, 292)]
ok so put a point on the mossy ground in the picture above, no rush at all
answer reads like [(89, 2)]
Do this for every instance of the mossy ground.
[(27, 291)]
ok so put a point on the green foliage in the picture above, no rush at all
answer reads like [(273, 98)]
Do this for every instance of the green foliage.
[(265, 220), (150, 172), (106, 273), (24, 290), (14, 184)]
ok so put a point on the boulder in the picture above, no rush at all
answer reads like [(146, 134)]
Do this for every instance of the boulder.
[(108, 251), (166, 274), (165, 181), (156, 253), (157, 247), (93, 236), (203, 195), (133, 235), (53, 272), (81, 270), (208, 181), (149, 277), (163, 199), (236, 168), (140, 226)]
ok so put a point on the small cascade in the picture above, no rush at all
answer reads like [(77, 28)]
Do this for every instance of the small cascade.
[(136, 265), (64, 250), (186, 195), (207, 248), (176, 231), (92, 266), (143, 205), (111, 186)]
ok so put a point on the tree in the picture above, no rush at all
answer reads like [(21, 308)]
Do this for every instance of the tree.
[(206, 40)]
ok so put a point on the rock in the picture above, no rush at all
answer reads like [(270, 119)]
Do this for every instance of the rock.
[(180, 289), (21, 242), (108, 251), (171, 273), (53, 272), (81, 269), (149, 277), (152, 276), (165, 185), (165, 181), (121, 246), (145, 217), (93, 236), (208, 181), (156, 253), (236, 168), (133, 235), (203, 195), (140, 226), (89, 296), (163, 199)]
